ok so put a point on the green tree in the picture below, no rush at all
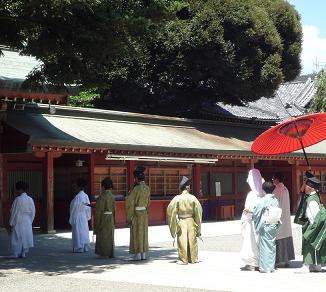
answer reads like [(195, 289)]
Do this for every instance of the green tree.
[(84, 98), (158, 55), (319, 100)]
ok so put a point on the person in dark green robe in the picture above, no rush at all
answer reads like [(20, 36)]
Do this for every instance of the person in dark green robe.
[(137, 203), (311, 214), (266, 216), (104, 212)]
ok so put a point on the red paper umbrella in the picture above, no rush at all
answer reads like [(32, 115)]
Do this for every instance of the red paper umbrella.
[(292, 135)]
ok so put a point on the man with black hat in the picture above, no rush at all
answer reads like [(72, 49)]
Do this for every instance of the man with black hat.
[(137, 203), (312, 216), (184, 216)]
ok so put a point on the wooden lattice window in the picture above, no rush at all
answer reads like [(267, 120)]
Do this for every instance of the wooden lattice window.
[(118, 176), (165, 181), (321, 175), (33, 178), (323, 182)]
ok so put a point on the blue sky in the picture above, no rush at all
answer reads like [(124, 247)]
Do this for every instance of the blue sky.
[(313, 20)]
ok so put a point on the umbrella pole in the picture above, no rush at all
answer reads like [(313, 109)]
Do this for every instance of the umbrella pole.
[(305, 154)]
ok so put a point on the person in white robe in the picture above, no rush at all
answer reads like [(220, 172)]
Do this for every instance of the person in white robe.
[(284, 240), (80, 214), (22, 215), (249, 250)]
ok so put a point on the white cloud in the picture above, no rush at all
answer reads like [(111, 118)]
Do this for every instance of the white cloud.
[(313, 50)]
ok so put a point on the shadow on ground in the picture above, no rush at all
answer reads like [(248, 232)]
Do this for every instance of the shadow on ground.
[(52, 256)]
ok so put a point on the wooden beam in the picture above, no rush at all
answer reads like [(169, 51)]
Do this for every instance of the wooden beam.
[(197, 178), (1, 189), (39, 154), (49, 193), (294, 195), (252, 162), (91, 179), (130, 174), (245, 160)]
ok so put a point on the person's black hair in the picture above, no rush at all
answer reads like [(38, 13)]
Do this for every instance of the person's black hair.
[(279, 176), (81, 182), (268, 187), (107, 183), (140, 176), (21, 185), (187, 183)]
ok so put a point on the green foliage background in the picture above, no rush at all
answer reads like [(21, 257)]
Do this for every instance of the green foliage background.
[(159, 56), (319, 101)]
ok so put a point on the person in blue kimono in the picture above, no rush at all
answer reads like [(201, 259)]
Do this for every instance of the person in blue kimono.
[(266, 217)]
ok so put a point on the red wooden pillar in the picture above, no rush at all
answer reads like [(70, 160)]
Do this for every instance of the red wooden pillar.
[(91, 184), (130, 174), (91, 178), (6, 203), (294, 194), (49, 228), (197, 178), (252, 163), (1, 190)]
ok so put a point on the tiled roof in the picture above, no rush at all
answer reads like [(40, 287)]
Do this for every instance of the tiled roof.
[(68, 126), (291, 99), (16, 66), (93, 128)]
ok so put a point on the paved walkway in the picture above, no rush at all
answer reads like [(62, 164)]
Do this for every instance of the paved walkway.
[(55, 267)]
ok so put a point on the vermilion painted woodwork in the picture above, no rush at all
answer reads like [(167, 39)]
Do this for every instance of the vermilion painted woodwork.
[(49, 193), (35, 96)]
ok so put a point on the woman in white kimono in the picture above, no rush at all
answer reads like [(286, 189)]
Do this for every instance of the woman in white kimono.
[(249, 250), (80, 214), (21, 219)]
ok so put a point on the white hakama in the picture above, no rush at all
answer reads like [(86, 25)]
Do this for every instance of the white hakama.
[(21, 220), (80, 214)]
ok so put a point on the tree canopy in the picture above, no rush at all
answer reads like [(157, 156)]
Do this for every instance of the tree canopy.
[(319, 100), (159, 55)]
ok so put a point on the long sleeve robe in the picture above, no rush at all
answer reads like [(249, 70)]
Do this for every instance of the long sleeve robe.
[(80, 214), (186, 229), (249, 249), (313, 230), (138, 198), (104, 214), (267, 233), (284, 240), (21, 220)]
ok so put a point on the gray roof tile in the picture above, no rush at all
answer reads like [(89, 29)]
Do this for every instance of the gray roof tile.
[(290, 99), (14, 65)]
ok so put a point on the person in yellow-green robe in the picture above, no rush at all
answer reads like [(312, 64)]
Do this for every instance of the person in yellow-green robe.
[(137, 203), (184, 216), (104, 212)]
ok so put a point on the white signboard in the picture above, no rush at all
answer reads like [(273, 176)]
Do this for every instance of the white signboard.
[(218, 188)]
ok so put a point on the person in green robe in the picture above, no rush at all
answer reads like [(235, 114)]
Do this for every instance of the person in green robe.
[(137, 203), (184, 214), (266, 216), (311, 214), (104, 212)]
